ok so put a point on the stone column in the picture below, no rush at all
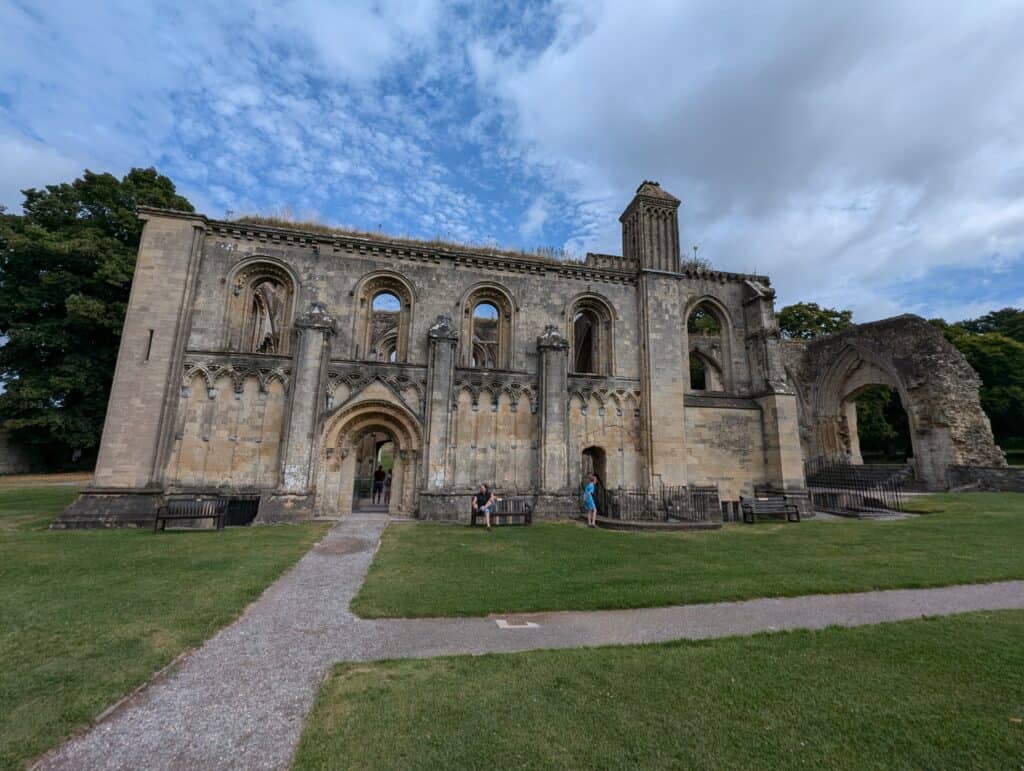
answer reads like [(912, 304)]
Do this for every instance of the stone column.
[(442, 340), (556, 494), (294, 499)]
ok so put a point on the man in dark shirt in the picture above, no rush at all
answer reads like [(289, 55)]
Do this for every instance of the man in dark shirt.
[(484, 501), (378, 484)]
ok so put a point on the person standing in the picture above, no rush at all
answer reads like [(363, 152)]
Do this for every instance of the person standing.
[(378, 484), (484, 501), (588, 500)]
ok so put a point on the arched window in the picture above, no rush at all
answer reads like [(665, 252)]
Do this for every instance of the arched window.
[(708, 340), (487, 329), (383, 318), (260, 306), (485, 336), (590, 325), (385, 314)]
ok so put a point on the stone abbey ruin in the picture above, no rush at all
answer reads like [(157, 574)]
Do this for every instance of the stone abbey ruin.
[(285, 365)]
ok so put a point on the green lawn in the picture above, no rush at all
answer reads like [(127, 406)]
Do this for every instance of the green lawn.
[(441, 570), (939, 694), (87, 616)]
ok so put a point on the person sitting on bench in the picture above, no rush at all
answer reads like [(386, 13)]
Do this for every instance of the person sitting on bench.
[(484, 501)]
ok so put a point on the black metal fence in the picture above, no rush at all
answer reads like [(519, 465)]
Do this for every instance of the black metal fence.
[(662, 503), (836, 485)]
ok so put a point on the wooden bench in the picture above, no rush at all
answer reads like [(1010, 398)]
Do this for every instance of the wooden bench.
[(771, 507), (191, 508), (515, 510)]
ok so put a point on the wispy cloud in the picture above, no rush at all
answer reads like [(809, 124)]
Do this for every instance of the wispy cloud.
[(859, 153)]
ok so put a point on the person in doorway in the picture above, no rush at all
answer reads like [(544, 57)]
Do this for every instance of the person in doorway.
[(484, 501), (387, 489), (588, 500), (378, 484)]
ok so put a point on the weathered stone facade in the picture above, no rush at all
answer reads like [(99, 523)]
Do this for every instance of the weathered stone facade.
[(936, 385), (257, 359)]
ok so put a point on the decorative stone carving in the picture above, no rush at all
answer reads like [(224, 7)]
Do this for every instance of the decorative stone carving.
[(552, 338), (443, 329)]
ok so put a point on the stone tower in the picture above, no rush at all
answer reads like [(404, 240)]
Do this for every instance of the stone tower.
[(650, 235), (650, 228)]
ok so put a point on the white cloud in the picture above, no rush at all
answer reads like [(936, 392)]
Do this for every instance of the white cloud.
[(25, 164), (842, 147)]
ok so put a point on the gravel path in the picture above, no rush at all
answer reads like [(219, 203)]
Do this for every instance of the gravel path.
[(239, 701)]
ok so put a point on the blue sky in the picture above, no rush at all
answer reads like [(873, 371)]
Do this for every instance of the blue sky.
[(865, 155)]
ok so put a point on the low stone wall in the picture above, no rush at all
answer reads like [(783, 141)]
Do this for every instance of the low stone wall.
[(1009, 479)]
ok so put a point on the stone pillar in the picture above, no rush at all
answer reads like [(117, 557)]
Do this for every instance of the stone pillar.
[(557, 497), (294, 498), (783, 458), (442, 340)]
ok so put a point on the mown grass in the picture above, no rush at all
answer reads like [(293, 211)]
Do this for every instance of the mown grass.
[(942, 693), (87, 616), (440, 570)]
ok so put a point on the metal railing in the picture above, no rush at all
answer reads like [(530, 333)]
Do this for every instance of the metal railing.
[(836, 485), (662, 503)]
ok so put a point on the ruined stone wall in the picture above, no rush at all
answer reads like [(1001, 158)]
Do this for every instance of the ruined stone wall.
[(542, 293), (268, 366), (725, 446), (936, 385), (611, 422), (227, 435)]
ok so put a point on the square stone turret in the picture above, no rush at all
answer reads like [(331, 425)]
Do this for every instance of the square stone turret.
[(650, 228)]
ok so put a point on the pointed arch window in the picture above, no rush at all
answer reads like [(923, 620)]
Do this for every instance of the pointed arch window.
[(708, 341)]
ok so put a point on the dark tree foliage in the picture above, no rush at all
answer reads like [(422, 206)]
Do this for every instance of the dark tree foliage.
[(882, 425), (1008, 321), (66, 267), (999, 361), (803, 321)]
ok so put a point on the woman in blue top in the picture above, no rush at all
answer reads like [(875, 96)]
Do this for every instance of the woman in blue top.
[(588, 500)]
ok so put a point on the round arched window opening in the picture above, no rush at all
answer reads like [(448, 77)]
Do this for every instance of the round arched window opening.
[(386, 314), (485, 335)]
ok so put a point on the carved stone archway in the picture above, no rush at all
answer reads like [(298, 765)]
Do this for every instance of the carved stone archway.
[(342, 431), (936, 385)]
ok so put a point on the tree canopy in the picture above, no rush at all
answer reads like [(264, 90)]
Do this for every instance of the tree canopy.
[(803, 321), (66, 266)]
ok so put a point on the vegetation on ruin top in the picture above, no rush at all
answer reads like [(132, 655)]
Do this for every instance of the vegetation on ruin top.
[(546, 254)]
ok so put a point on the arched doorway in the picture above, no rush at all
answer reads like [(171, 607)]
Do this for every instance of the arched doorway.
[(358, 438), (375, 467), (878, 425), (595, 462)]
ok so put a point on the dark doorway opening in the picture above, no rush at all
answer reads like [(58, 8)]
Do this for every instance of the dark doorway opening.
[(883, 429)]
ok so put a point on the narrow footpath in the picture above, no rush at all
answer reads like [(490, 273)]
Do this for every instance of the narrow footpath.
[(240, 700)]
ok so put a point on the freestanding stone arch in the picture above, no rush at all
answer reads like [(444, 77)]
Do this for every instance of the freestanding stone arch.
[(936, 385), (375, 409)]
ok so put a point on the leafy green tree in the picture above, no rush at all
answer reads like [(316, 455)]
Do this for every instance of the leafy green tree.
[(1008, 321), (66, 267), (804, 321)]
